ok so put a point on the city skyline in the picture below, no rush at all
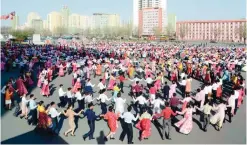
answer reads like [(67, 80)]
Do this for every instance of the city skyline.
[(189, 10)]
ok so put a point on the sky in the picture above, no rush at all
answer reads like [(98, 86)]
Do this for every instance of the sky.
[(184, 9)]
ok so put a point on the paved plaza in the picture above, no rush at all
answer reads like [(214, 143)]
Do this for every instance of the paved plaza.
[(16, 130)]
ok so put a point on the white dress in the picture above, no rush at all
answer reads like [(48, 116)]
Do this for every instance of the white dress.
[(119, 105), (219, 116)]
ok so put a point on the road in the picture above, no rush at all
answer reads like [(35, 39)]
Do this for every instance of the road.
[(16, 130)]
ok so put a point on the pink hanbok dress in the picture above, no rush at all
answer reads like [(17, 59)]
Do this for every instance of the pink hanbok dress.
[(111, 83), (172, 90), (157, 84), (61, 71), (240, 97), (77, 85), (185, 125), (45, 91)]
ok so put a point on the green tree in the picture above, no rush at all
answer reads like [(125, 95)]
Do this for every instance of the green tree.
[(157, 31), (60, 31), (22, 34), (46, 32), (183, 31)]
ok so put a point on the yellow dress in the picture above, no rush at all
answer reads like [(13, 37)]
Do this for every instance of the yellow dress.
[(131, 71)]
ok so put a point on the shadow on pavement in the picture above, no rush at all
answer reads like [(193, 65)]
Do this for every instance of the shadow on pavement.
[(101, 138), (35, 137)]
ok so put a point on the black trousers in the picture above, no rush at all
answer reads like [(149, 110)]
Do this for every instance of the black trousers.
[(91, 125), (62, 101), (205, 121), (236, 106), (183, 90), (166, 96), (214, 95), (127, 129), (33, 120), (121, 86), (103, 108), (81, 104), (54, 124), (149, 85), (229, 114)]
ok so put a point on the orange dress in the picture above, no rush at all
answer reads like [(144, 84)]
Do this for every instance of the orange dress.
[(99, 70), (111, 120)]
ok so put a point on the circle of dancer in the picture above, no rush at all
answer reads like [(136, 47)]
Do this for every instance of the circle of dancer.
[(160, 78)]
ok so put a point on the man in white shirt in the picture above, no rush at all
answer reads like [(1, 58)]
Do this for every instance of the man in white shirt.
[(33, 111), (80, 99), (69, 97), (54, 114), (101, 86), (214, 89), (119, 104), (103, 98), (140, 101), (182, 86), (89, 83), (61, 95), (157, 102), (149, 81), (128, 117), (88, 99)]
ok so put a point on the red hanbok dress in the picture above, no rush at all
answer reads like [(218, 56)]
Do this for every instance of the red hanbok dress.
[(21, 87), (112, 121), (145, 126)]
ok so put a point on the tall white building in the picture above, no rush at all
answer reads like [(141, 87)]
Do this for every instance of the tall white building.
[(54, 21), (142, 4), (32, 16)]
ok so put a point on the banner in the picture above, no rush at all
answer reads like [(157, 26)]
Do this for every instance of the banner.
[(8, 16)]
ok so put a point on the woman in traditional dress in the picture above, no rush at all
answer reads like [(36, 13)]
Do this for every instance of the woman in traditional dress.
[(131, 71), (144, 125), (240, 97), (24, 109), (111, 118), (22, 90), (185, 101), (49, 74), (188, 85), (45, 91), (77, 85), (111, 82), (74, 66), (218, 118), (99, 70), (71, 116), (198, 73), (207, 78), (61, 70), (42, 115), (29, 81), (157, 83), (186, 124), (174, 75), (219, 90), (172, 89), (40, 80), (189, 68)]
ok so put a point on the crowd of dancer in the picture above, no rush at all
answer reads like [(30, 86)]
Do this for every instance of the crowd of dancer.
[(148, 67)]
